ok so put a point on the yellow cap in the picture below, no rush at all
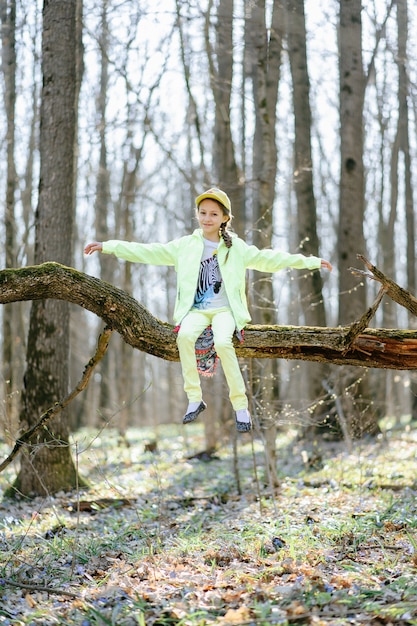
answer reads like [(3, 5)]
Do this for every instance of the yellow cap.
[(215, 194)]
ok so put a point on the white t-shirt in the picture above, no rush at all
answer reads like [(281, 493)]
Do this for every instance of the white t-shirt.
[(210, 292)]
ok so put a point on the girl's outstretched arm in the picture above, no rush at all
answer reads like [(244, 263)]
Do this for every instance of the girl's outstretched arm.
[(94, 246), (326, 265)]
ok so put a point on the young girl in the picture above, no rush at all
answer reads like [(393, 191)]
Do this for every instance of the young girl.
[(211, 269)]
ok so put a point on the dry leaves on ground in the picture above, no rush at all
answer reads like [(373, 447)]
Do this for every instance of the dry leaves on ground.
[(163, 539)]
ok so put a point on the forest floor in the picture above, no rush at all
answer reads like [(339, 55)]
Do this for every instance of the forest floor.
[(164, 539)]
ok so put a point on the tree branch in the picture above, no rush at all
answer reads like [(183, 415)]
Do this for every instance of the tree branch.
[(395, 292), (117, 309), (103, 342), (357, 327), (40, 588), (350, 345)]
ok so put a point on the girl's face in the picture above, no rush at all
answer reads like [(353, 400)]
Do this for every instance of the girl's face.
[(210, 217)]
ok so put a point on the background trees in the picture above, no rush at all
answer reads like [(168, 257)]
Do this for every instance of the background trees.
[(181, 96)]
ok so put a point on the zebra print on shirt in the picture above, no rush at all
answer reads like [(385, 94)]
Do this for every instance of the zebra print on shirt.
[(209, 275)]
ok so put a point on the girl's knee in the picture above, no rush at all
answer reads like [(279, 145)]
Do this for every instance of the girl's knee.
[(186, 337), (225, 344)]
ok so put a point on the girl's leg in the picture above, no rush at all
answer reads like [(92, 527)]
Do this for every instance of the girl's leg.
[(223, 325), (192, 326)]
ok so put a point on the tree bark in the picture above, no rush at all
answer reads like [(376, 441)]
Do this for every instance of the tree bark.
[(8, 38), (103, 196), (263, 48), (352, 299), (310, 284), (224, 165), (351, 385), (403, 145), (50, 468), (220, 60)]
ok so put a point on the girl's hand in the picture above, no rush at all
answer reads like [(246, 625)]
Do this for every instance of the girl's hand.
[(326, 265), (94, 246)]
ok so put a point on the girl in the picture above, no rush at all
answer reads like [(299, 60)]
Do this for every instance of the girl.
[(211, 269)]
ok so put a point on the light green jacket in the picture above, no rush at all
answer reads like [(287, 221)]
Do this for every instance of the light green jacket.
[(185, 255)]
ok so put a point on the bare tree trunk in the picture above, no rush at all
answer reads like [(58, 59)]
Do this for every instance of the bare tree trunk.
[(79, 329), (311, 284), (383, 382), (263, 48), (226, 172), (48, 465), (125, 388), (193, 118), (27, 196), (28, 192), (103, 194), (8, 28), (352, 298), (403, 134), (221, 76)]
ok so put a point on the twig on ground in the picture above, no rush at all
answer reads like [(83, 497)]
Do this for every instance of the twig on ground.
[(103, 342), (11, 583)]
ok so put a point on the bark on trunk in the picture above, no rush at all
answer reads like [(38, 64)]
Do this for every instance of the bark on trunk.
[(311, 284), (263, 47), (352, 296), (8, 38), (50, 468)]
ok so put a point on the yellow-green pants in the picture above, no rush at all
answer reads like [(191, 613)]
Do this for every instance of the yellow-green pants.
[(223, 326)]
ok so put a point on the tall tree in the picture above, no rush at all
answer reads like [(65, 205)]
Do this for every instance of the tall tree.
[(125, 382), (103, 197), (263, 47), (47, 466), (384, 385), (220, 60), (402, 145), (352, 298), (403, 132), (8, 38), (225, 170), (311, 286), (311, 283)]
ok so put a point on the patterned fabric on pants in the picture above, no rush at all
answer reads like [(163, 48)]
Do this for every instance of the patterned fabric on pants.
[(223, 326)]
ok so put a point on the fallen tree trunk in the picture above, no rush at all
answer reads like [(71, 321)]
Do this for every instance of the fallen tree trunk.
[(351, 345)]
